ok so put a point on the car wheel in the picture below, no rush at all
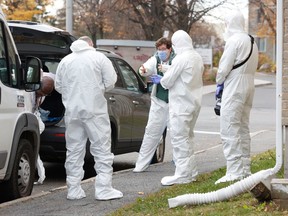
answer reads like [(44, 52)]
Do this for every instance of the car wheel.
[(158, 157), (21, 181)]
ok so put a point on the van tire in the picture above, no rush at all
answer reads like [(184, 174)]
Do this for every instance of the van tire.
[(158, 157), (21, 180)]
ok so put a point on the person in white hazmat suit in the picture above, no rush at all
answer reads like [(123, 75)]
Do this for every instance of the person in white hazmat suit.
[(237, 97), (82, 77), (158, 114), (47, 86), (185, 84)]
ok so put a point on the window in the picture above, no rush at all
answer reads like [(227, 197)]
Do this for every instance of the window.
[(261, 42), (119, 82), (130, 79), (50, 66), (3, 63), (8, 73), (29, 36)]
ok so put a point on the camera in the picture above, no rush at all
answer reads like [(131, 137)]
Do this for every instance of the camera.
[(217, 107)]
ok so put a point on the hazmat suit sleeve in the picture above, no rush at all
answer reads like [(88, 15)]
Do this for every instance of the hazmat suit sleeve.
[(58, 78), (108, 73), (149, 67), (172, 74), (226, 62)]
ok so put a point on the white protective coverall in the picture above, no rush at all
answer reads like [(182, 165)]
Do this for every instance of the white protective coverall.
[(237, 97), (39, 162), (184, 81), (157, 122), (37, 102), (82, 77)]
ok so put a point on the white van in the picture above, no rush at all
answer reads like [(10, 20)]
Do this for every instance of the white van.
[(19, 130)]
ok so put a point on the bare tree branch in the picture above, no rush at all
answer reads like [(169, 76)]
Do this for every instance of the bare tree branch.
[(155, 16)]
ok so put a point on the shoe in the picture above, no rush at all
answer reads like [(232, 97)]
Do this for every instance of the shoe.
[(228, 178), (40, 181), (109, 194), (73, 195), (171, 180)]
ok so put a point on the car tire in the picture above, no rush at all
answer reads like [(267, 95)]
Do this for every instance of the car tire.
[(158, 157), (21, 180)]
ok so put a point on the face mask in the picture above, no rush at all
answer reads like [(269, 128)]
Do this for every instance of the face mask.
[(162, 54)]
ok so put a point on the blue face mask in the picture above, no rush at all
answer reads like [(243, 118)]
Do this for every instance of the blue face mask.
[(162, 54)]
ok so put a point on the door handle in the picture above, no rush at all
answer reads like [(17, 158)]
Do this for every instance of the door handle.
[(135, 102)]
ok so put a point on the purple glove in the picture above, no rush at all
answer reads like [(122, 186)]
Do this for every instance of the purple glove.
[(219, 90), (156, 78)]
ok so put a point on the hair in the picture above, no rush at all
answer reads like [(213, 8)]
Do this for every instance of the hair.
[(163, 40), (87, 39)]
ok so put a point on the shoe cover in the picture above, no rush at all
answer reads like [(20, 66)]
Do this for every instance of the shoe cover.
[(171, 180), (40, 181), (108, 194), (40, 170), (75, 193), (137, 169), (228, 178), (104, 189)]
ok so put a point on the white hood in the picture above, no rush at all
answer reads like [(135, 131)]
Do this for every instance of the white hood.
[(181, 42), (235, 23), (80, 45)]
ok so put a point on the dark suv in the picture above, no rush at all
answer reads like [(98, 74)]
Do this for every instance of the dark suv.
[(128, 102)]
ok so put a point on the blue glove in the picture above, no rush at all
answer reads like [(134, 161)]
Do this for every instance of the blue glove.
[(219, 90), (156, 79)]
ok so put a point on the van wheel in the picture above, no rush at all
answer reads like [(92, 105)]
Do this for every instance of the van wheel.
[(21, 180), (158, 157)]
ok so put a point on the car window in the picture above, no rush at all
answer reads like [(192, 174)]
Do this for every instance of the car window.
[(7, 60), (50, 66), (129, 78), (119, 83)]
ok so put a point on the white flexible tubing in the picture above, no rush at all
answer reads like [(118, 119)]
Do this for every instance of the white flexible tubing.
[(221, 194), (249, 182)]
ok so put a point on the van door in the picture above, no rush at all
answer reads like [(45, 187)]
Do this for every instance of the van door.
[(11, 98)]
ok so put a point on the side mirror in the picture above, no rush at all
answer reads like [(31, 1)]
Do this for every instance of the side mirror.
[(32, 74)]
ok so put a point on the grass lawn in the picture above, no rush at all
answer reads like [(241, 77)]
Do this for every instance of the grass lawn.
[(245, 204)]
